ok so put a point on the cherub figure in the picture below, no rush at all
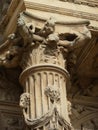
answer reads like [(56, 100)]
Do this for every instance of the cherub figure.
[(25, 30), (48, 28)]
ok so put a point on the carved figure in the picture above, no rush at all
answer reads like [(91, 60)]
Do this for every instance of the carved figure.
[(53, 93), (52, 40), (48, 28), (25, 30), (24, 100), (51, 49), (27, 33)]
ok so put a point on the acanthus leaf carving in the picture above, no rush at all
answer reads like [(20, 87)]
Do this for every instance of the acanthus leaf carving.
[(26, 37)]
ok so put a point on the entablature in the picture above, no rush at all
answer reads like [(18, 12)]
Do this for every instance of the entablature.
[(65, 8)]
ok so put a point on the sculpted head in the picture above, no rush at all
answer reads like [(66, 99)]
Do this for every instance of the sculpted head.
[(24, 100), (49, 26)]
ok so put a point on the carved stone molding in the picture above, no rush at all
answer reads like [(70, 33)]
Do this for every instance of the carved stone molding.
[(60, 10), (92, 3)]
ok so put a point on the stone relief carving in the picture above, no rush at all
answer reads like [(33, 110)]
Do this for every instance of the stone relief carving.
[(25, 100), (52, 115), (22, 50), (53, 93), (49, 28), (51, 43), (25, 30), (25, 103)]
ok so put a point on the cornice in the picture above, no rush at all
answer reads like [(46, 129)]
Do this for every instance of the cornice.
[(92, 3), (93, 29), (41, 18), (61, 10)]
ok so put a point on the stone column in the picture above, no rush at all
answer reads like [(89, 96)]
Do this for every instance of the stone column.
[(45, 85), (44, 80), (42, 55)]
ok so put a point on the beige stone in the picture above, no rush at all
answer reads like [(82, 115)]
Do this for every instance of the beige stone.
[(50, 49)]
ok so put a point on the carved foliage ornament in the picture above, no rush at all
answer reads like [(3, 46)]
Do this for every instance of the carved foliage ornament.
[(26, 37)]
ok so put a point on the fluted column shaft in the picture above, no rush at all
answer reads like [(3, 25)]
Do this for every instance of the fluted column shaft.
[(45, 79)]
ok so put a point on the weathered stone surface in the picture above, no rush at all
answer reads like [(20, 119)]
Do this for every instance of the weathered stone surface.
[(56, 50)]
